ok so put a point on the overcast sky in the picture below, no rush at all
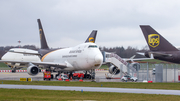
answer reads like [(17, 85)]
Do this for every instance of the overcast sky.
[(69, 22)]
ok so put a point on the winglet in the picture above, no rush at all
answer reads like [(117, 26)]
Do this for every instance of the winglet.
[(131, 58), (42, 36), (141, 53), (92, 37)]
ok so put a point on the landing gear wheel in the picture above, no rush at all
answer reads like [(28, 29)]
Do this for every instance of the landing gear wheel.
[(92, 72), (52, 77), (56, 76), (88, 76), (13, 71)]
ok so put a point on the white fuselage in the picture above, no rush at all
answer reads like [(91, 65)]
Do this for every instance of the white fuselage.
[(85, 56), (11, 55)]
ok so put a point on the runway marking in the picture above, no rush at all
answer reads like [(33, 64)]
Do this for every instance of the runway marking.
[(5, 73)]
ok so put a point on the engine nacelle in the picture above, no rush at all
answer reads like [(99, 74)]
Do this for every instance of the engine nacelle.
[(135, 65), (147, 54), (33, 70), (114, 70)]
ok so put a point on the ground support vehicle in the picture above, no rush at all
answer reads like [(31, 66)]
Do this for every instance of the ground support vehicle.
[(78, 76), (63, 76), (47, 75), (73, 76), (81, 76), (129, 78)]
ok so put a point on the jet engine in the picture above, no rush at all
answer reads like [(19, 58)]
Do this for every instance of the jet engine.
[(147, 54), (33, 70), (135, 65), (114, 70)]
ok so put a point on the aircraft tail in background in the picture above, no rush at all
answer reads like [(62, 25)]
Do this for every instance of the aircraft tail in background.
[(42, 36), (92, 37), (155, 41)]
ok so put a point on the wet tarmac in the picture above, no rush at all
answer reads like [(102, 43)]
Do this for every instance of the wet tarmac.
[(100, 76)]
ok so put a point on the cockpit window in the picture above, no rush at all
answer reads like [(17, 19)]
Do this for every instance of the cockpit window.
[(92, 46)]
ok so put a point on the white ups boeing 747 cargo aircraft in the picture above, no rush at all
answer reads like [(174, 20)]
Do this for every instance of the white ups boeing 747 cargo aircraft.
[(86, 57)]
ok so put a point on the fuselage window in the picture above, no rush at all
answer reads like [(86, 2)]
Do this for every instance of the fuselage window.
[(92, 46)]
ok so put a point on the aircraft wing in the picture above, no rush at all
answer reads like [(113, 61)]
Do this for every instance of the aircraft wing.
[(161, 54), (54, 64), (60, 65), (136, 59), (156, 54)]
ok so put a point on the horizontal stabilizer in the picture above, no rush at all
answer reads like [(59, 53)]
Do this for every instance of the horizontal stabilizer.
[(160, 54)]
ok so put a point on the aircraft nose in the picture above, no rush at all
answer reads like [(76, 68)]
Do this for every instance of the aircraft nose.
[(98, 58)]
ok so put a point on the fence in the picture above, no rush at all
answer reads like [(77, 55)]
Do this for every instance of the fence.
[(157, 72)]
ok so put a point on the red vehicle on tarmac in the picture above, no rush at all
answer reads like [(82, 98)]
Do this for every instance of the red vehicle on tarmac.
[(47, 75), (78, 75)]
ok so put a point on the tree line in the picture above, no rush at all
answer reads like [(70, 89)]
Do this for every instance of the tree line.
[(125, 53)]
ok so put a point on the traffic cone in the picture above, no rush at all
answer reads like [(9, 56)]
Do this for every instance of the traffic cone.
[(67, 80), (71, 78), (81, 80), (60, 79)]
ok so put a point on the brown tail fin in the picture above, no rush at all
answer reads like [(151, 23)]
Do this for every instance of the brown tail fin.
[(42, 36), (92, 37), (155, 41)]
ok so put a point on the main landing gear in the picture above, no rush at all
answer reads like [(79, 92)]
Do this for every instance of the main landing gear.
[(92, 73)]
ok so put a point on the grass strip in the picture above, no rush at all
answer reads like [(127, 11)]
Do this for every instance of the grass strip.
[(52, 95)]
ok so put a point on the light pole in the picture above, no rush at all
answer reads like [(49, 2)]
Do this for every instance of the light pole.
[(19, 43)]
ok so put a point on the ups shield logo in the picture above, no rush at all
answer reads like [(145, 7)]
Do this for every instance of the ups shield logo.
[(153, 40), (91, 39)]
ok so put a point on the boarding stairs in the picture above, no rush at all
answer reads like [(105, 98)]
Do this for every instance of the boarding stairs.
[(117, 61)]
